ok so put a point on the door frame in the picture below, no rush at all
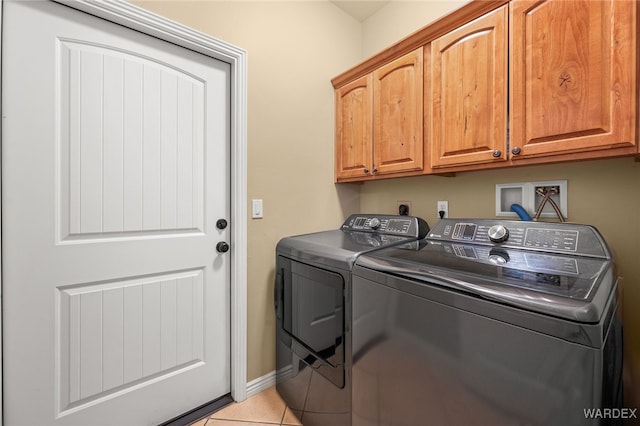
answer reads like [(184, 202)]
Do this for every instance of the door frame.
[(136, 18)]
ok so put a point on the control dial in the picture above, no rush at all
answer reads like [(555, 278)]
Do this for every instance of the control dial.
[(498, 234), (374, 223)]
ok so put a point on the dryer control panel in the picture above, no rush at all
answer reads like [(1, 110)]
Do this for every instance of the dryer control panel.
[(408, 226)]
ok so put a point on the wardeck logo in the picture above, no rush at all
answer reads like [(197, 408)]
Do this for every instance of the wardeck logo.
[(610, 413)]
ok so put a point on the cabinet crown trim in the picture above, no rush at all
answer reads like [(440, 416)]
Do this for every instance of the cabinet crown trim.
[(423, 36)]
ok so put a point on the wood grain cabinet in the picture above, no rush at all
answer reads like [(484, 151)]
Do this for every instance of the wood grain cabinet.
[(496, 83), (379, 121), (354, 141), (469, 93), (573, 78), (397, 115)]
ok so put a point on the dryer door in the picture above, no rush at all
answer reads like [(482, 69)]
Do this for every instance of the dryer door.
[(310, 315)]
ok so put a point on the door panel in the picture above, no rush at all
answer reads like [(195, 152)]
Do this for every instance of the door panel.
[(353, 129), (115, 169), (470, 93), (573, 78), (120, 170), (397, 117), (116, 335)]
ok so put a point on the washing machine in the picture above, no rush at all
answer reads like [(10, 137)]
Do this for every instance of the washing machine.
[(312, 298), (488, 322)]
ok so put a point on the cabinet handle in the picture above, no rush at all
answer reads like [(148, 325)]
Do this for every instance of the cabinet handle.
[(497, 153), (516, 150), (375, 169), (366, 170)]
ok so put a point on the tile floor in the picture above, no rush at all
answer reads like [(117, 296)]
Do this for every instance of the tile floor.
[(265, 408)]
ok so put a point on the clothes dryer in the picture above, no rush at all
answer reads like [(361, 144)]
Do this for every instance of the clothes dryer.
[(313, 311)]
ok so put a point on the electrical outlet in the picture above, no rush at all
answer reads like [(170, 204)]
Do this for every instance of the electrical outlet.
[(442, 206), (403, 208)]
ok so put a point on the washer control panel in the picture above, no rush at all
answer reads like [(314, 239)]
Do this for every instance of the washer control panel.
[(539, 236), (409, 226)]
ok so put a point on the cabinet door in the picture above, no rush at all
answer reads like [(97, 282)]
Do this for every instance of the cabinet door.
[(573, 76), (353, 129), (469, 93), (397, 117)]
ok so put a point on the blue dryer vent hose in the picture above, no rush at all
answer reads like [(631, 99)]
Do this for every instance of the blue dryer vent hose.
[(520, 211)]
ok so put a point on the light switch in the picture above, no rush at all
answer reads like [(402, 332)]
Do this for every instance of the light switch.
[(256, 211)]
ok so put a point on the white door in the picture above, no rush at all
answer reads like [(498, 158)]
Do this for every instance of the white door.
[(115, 169)]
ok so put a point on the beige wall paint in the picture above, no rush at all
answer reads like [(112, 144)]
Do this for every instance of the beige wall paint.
[(602, 193), (294, 49)]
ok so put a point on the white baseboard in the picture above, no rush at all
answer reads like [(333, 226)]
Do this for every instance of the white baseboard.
[(261, 383)]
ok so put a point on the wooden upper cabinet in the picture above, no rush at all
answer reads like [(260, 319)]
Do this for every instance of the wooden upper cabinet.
[(573, 77), (379, 121), (469, 93), (397, 115), (495, 83), (353, 129)]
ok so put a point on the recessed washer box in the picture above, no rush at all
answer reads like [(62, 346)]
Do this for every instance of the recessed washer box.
[(524, 193)]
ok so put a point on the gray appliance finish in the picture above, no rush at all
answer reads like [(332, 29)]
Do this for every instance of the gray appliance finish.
[(312, 298), (487, 322)]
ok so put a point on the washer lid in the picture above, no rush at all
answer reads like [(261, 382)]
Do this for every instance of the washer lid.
[(571, 287)]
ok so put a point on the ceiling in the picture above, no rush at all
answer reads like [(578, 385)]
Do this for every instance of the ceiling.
[(360, 9)]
